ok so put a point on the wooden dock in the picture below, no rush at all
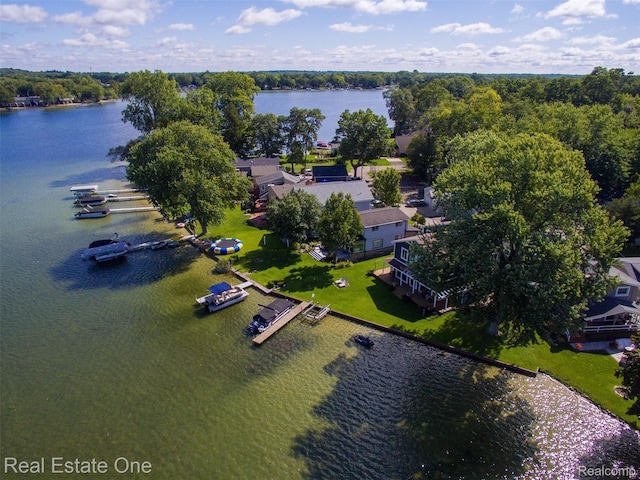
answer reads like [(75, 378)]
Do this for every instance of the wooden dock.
[(293, 313)]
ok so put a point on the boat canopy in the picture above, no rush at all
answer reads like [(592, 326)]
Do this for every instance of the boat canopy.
[(218, 288)]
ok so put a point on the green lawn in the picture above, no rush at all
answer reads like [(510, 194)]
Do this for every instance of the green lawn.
[(267, 259)]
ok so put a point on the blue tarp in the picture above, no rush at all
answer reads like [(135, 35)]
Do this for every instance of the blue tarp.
[(219, 288)]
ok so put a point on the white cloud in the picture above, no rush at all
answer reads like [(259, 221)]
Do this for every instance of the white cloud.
[(182, 26), (113, 12), (631, 44), (114, 31), (578, 8), (372, 7), (267, 16), (13, 13), (543, 35), (499, 51), (517, 8), (349, 28), (237, 30), (595, 40), (91, 40), (470, 29)]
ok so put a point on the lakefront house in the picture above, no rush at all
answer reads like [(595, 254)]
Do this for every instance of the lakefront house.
[(618, 314)]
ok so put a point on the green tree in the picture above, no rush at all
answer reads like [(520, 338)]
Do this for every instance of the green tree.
[(301, 132), (422, 155), (400, 104), (340, 225), (201, 108), (363, 137), (295, 217), (526, 241), (627, 208), (186, 168), (266, 134), (386, 186), (153, 100), (234, 98), (630, 374)]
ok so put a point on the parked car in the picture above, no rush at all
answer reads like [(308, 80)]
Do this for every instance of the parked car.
[(415, 202)]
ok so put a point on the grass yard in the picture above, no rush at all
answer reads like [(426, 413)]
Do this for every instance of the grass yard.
[(268, 260)]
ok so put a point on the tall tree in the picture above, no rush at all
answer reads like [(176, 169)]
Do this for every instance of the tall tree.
[(363, 137), (301, 131), (422, 155), (630, 374), (526, 242), (153, 100), (386, 186), (235, 93), (267, 135), (295, 217), (340, 224), (400, 104), (186, 168)]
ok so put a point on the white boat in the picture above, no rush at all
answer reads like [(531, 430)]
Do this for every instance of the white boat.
[(103, 253), (83, 189), (269, 315), (222, 295), (90, 200), (88, 212)]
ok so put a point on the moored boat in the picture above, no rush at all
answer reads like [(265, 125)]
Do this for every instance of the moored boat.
[(88, 212), (364, 341), (222, 295), (104, 241), (83, 189), (90, 200), (103, 253), (269, 315), (158, 245)]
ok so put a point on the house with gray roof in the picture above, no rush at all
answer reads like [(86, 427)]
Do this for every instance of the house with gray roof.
[(618, 313), (358, 189), (262, 183), (245, 164), (382, 226)]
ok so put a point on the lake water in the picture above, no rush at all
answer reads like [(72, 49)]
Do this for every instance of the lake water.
[(115, 363)]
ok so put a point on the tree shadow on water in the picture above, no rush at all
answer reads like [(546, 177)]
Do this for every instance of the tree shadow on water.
[(136, 268), (404, 410), (116, 172), (615, 456)]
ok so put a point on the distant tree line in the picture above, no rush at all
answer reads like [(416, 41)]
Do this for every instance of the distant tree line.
[(597, 114), (52, 88)]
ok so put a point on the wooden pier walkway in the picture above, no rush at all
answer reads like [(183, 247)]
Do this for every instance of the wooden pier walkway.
[(295, 311)]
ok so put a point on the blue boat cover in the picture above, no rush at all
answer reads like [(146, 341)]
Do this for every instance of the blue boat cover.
[(219, 288)]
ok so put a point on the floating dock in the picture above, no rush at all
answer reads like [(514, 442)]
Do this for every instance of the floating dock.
[(293, 313), (315, 312)]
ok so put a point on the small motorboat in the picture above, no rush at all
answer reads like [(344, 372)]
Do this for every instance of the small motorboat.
[(364, 341), (158, 245), (88, 212)]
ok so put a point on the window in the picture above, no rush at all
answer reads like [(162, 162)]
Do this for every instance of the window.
[(623, 291), (375, 229), (399, 224), (377, 243), (404, 254)]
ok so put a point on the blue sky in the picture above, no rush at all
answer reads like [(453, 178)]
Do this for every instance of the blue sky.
[(484, 36)]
